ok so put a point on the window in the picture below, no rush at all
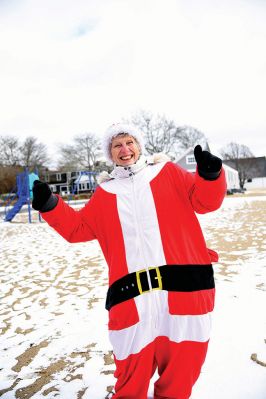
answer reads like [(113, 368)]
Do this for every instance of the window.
[(58, 176), (190, 159)]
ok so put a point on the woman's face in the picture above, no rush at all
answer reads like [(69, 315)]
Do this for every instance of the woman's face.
[(125, 150)]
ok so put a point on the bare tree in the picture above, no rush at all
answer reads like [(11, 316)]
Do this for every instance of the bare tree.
[(9, 150), (14, 156), (8, 178), (82, 153), (87, 147), (159, 132), (164, 135), (68, 158), (236, 151), (189, 136), (32, 153), (240, 157)]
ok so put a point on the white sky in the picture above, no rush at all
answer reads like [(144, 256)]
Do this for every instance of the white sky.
[(73, 66)]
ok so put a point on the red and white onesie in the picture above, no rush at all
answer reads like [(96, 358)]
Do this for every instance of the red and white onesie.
[(146, 218)]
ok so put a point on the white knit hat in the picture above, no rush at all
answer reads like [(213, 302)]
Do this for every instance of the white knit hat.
[(118, 128)]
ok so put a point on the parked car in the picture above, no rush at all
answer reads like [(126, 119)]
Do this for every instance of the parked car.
[(238, 190)]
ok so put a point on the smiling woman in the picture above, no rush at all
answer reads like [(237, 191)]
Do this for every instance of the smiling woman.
[(125, 150), (161, 288)]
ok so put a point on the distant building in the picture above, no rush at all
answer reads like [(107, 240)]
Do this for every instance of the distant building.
[(85, 182), (75, 182), (187, 161), (59, 182), (231, 175), (254, 170)]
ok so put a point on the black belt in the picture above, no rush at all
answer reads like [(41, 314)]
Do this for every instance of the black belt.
[(183, 278)]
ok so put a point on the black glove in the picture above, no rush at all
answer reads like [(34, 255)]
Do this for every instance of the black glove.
[(209, 166), (43, 199)]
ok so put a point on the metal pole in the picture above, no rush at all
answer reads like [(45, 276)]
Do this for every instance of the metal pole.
[(28, 193)]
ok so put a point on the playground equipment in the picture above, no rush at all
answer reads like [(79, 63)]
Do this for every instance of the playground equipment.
[(22, 193)]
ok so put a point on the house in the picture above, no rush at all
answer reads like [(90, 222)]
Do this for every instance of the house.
[(65, 183), (252, 171), (187, 161), (85, 182), (59, 182)]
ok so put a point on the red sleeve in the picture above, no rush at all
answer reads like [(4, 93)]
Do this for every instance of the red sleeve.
[(205, 195), (74, 226)]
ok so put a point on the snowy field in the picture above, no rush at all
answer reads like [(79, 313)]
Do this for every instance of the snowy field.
[(53, 333)]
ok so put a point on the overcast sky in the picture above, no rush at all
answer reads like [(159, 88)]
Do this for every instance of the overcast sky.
[(73, 66)]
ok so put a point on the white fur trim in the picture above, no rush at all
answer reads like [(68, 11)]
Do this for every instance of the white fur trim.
[(103, 177), (116, 129), (160, 157)]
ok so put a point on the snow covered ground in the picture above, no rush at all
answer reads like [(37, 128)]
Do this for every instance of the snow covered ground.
[(53, 339)]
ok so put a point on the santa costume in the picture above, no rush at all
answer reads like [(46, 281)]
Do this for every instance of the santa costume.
[(161, 286)]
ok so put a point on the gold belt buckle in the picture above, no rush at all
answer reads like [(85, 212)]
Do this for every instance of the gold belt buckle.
[(158, 277)]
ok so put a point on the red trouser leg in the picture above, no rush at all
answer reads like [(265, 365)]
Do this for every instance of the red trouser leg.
[(179, 366), (134, 373)]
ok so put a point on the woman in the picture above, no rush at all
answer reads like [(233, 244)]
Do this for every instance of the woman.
[(161, 286)]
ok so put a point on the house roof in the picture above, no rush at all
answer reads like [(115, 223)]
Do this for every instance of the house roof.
[(188, 151), (206, 147), (225, 166)]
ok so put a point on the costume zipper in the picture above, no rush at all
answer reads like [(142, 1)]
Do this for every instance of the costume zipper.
[(139, 234), (154, 317)]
